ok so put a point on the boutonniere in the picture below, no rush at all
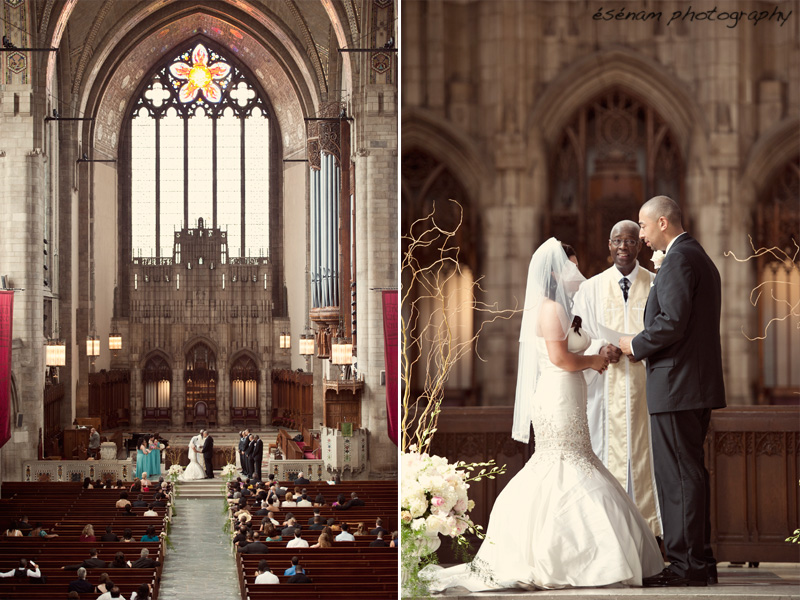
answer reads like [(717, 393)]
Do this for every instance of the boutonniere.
[(658, 258)]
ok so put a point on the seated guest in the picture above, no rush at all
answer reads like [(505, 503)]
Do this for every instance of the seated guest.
[(395, 543), (105, 584), (304, 501), (332, 524), (80, 585), (317, 525), (26, 568), (150, 536), (128, 512), (13, 530), (289, 530), (361, 529), (150, 512), (319, 500), (145, 482), (297, 542), (256, 546), (295, 568), (378, 527), (301, 480), (127, 535), (140, 501), (273, 535), (87, 535), (312, 517), (39, 531), (109, 535), (136, 486), (119, 562), (87, 483), (354, 501), (345, 536), (378, 542), (144, 561), (114, 594), (299, 578), (324, 541), (73, 595), (263, 574), (340, 500), (145, 592), (123, 500), (24, 526), (90, 563), (289, 502), (159, 500)]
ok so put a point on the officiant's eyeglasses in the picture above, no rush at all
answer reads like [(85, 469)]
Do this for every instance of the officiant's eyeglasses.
[(630, 243)]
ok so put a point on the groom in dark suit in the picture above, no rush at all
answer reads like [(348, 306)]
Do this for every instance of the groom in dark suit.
[(208, 453), (681, 342)]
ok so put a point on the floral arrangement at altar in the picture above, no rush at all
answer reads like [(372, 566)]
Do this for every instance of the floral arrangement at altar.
[(228, 472), (435, 492), (174, 472)]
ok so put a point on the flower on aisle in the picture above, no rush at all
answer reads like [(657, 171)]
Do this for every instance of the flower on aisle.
[(200, 76), (174, 472), (228, 472)]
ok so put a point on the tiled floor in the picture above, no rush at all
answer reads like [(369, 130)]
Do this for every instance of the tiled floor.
[(200, 566)]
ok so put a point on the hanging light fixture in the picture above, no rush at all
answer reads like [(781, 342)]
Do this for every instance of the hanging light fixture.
[(347, 351), (55, 353), (307, 343), (92, 346), (285, 341), (115, 341)]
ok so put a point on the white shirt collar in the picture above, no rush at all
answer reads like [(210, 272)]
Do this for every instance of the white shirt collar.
[(632, 275), (673, 241)]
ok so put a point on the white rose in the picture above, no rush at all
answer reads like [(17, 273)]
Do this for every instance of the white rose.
[(658, 258)]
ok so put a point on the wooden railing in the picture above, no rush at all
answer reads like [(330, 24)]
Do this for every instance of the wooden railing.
[(752, 454), (292, 399)]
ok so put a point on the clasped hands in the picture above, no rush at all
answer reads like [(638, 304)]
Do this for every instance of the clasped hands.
[(614, 353)]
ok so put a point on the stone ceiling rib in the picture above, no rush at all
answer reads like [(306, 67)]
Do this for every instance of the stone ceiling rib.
[(88, 45)]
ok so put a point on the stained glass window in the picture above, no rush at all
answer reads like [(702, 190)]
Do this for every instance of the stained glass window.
[(200, 149)]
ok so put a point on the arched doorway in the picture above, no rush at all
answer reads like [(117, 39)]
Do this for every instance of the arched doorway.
[(427, 186), (201, 387), (615, 153)]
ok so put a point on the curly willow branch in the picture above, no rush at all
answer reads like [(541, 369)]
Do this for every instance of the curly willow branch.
[(424, 287)]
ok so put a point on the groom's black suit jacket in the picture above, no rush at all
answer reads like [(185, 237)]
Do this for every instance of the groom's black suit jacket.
[(681, 339), (208, 448)]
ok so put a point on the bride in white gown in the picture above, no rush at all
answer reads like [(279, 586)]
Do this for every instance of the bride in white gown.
[(563, 520), (196, 468)]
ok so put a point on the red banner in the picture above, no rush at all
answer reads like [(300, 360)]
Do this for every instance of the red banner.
[(391, 359), (6, 321)]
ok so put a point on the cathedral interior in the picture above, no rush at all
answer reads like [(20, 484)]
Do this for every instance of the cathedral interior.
[(199, 209)]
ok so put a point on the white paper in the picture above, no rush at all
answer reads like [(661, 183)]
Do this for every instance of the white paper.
[(611, 336)]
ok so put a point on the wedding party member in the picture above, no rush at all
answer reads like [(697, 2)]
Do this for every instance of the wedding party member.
[(681, 343), (617, 400), (208, 454), (580, 528)]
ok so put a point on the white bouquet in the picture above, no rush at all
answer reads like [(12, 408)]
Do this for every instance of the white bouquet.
[(174, 472), (228, 472)]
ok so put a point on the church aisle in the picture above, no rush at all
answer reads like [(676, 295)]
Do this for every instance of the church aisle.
[(200, 565)]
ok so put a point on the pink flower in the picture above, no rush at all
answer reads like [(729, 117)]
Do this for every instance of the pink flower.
[(200, 76), (437, 501)]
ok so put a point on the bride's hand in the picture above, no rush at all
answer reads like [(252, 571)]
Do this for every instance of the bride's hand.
[(599, 363)]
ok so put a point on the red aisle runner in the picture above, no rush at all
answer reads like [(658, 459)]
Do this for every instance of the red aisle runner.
[(391, 359), (6, 321)]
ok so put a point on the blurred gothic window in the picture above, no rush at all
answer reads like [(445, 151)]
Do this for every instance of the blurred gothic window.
[(777, 295), (244, 383), (199, 149), (428, 184), (614, 154), (156, 378)]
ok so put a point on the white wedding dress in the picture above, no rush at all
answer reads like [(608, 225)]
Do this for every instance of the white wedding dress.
[(195, 470), (563, 520)]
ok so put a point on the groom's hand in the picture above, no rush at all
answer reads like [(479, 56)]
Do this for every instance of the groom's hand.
[(611, 352), (625, 345)]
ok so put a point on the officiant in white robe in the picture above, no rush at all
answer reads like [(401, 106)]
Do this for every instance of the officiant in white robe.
[(619, 423)]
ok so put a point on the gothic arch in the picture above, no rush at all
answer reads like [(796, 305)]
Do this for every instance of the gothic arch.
[(249, 354), (200, 339), (776, 146), (628, 70), (159, 353), (457, 151)]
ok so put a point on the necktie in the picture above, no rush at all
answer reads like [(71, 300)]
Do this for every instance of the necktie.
[(625, 285)]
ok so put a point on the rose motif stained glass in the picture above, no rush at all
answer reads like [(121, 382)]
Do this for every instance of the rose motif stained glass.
[(200, 76)]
